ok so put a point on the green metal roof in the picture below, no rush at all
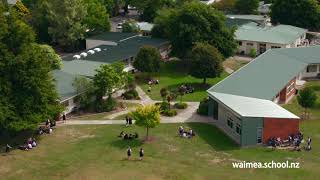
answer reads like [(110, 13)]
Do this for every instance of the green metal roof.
[(125, 49), (253, 107), (280, 34), (112, 36), (81, 67), (63, 82), (265, 76)]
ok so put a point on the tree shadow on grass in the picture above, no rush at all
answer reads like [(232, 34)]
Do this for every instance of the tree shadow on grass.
[(214, 136), (197, 86), (124, 144)]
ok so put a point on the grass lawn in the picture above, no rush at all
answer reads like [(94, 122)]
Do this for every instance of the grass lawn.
[(172, 75), (95, 152), (295, 108), (234, 64), (105, 115)]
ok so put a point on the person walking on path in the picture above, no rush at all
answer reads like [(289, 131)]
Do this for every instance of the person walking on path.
[(141, 154), (64, 117), (127, 121), (129, 152), (130, 121)]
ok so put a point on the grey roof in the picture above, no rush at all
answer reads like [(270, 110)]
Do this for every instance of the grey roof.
[(280, 34), (267, 75), (145, 26), (63, 82), (112, 36), (81, 67), (124, 49), (253, 107)]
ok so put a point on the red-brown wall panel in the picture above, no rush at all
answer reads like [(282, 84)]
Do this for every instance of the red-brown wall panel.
[(275, 127)]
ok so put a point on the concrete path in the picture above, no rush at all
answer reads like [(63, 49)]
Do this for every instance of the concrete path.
[(228, 70), (184, 115)]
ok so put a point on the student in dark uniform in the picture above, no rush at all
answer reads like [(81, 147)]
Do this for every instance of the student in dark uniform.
[(129, 152), (141, 154)]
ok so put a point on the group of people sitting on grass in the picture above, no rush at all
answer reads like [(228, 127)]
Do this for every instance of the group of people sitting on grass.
[(188, 88), (48, 128), (129, 153), (186, 133), (293, 140), (126, 136), (151, 82), (30, 144)]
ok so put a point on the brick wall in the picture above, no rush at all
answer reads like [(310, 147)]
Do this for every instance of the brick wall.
[(274, 127), (284, 95)]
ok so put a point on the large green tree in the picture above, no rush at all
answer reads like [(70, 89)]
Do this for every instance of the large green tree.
[(147, 59), (301, 13), (66, 25), (28, 94), (227, 6), (97, 19), (206, 62), (195, 22), (247, 6)]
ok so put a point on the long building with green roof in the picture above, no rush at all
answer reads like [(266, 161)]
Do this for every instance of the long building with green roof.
[(245, 104), (255, 32)]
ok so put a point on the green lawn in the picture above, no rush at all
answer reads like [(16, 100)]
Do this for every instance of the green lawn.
[(172, 75), (295, 108), (95, 152), (234, 64)]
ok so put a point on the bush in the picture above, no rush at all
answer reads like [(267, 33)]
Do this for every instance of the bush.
[(131, 94), (106, 106), (170, 112), (203, 107), (181, 105), (253, 53), (164, 106)]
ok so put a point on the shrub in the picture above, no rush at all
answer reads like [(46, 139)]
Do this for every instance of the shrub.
[(131, 94), (253, 53), (164, 106), (106, 106), (203, 107), (181, 105), (170, 112)]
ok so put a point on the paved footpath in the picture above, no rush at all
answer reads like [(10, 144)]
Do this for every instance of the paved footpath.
[(184, 116)]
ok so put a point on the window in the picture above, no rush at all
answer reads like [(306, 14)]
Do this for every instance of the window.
[(238, 128), (249, 44), (275, 47), (240, 43), (259, 135), (312, 68), (230, 123)]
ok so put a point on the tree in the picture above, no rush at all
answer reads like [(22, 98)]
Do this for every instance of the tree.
[(307, 99), (28, 94), (50, 54), (225, 5), (206, 61), (301, 13), (247, 6), (66, 25), (84, 89), (130, 26), (22, 11), (182, 91), (195, 22), (164, 93), (147, 59), (147, 116), (97, 19)]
